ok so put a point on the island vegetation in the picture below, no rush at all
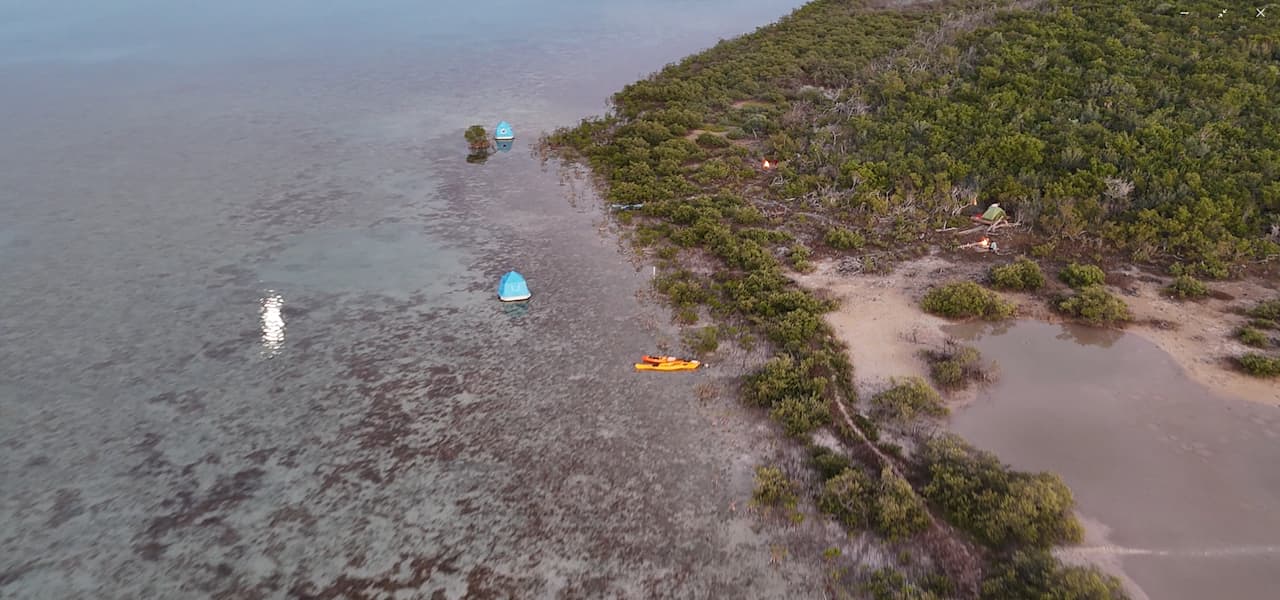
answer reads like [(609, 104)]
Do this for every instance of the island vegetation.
[(478, 143), (957, 365), (1023, 275), (1108, 131)]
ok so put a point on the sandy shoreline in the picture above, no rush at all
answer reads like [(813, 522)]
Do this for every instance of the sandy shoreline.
[(881, 322)]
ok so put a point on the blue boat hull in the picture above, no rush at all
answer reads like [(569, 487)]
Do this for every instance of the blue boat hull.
[(512, 288), (503, 132)]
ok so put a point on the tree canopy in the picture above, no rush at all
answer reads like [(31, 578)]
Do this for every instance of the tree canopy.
[(1127, 123)]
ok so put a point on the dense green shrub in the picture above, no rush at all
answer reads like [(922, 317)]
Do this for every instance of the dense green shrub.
[(682, 288), (1259, 365), (477, 138), (773, 487), (899, 512), (1186, 287), (957, 364), (847, 497), (998, 506), (908, 398), (1037, 575), (711, 140), (775, 490), (801, 414), (1079, 276), (1252, 337), (844, 239), (964, 299), (799, 256), (782, 377), (1023, 275), (1095, 306), (887, 505), (828, 462), (1269, 310)]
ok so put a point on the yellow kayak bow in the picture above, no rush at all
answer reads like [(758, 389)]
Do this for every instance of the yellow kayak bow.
[(683, 365)]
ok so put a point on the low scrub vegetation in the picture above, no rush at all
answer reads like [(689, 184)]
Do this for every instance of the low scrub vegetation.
[(844, 239), (1000, 507), (1023, 275), (801, 414), (794, 396), (775, 490), (1259, 365), (908, 399), (711, 140), (799, 256), (704, 340), (1096, 306), (828, 462), (957, 365), (1252, 337), (1263, 324), (888, 505), (1081, 276), (781, 377), (1268, 310), (1186, 287), (889, 584), (966, 299)]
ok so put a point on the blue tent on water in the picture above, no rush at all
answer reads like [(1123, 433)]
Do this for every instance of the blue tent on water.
[(512, 288), (504, 131)]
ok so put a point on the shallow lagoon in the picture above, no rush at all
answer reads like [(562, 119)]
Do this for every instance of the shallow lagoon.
[(1182, 482)]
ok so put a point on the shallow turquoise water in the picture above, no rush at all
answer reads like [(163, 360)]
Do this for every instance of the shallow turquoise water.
[(249, 344)]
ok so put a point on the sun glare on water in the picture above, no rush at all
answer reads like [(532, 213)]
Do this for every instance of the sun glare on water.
[(272, 323)]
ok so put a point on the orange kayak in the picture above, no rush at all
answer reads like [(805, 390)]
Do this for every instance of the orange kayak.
[(658, 360), (677, 365)]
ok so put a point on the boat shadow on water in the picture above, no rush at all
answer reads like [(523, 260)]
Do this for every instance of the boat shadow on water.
[(515, 310)]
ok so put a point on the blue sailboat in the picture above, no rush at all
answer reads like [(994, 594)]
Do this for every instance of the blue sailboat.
[(512, 288), (504, 131)]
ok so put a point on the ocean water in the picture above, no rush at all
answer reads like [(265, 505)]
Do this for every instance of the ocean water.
[(249, 339)]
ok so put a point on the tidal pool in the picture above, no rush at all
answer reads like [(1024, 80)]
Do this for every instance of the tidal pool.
[(1183, 482)]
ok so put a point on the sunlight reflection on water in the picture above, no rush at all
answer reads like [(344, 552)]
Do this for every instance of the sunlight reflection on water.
[(272, 323)]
